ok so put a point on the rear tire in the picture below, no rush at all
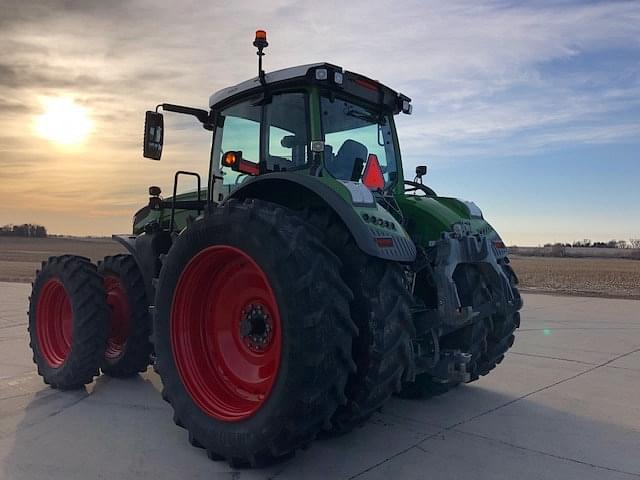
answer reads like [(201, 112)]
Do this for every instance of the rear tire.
[(253, 264), (383, 350), (128, 346), (68, 317)]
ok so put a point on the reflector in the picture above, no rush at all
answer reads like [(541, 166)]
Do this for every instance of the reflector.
[(384, 242), (372, 176)]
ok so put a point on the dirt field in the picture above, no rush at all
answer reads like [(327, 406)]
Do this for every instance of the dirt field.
[(593, 277), (20, 257), (598, 277)]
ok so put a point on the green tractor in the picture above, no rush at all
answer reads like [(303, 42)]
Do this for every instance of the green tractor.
[(297, 290)]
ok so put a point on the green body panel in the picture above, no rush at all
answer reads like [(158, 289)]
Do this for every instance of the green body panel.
[(426, 217), (430, 216), (390, 225)]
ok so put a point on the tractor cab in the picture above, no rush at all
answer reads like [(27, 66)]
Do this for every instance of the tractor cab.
[(314, 119)]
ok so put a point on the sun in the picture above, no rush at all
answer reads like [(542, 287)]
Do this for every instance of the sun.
[(64, 122)]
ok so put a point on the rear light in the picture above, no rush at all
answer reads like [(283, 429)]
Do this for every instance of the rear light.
[(367, 84), (384, 242)]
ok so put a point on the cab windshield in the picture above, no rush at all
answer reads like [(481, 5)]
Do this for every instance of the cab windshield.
[(354, 138)]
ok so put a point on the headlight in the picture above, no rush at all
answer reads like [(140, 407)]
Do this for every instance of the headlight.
[(321, 74)]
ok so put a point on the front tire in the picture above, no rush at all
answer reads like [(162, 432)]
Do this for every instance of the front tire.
[(487, 339), (128, 346), (252, 333), (68, 317)]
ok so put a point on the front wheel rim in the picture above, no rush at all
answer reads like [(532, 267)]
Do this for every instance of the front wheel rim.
[(54, 323), (226, 333), (119, 321)]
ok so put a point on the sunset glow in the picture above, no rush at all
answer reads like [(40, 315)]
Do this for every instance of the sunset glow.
[(529, 109), (64, 122)]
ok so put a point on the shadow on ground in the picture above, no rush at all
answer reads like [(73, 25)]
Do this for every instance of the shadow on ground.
[(123, 429)]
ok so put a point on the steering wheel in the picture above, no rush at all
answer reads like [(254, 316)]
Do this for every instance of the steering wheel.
[(412, 188)]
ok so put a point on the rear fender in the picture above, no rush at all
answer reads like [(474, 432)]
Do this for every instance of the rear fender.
[(351, 202)]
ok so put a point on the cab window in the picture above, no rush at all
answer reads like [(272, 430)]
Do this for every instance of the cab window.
[(287, 145), (351, 134), (240, 131), (284, 134)]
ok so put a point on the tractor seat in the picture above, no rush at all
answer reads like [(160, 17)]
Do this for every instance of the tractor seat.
[(343, 164)]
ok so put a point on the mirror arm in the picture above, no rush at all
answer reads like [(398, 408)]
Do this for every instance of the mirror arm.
[(200, 114)]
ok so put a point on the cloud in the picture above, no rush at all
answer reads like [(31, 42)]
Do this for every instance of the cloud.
[(487, 78)]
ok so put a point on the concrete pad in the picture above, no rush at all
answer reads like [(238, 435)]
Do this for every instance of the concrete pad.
[(563, 404), (589, 330), (593, 418), (15, 359), (122, 428), (514, 377), (631, 361), (455, 456)]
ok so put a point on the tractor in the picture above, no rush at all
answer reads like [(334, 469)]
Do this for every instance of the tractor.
[(300, 288)]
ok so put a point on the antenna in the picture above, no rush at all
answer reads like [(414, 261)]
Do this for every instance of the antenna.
[(261, 43)]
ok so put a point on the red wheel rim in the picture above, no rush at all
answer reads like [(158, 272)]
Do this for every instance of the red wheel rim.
[(226, 333), (119, 323), (54, 322)]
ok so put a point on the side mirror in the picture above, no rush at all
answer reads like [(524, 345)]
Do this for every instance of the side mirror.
[(421, 170), (153, 135)]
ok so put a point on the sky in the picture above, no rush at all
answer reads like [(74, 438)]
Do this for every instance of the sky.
[(530, 109)]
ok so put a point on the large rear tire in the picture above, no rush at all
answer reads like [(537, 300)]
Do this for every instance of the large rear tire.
[(252, 333), (383, 350), (68, 318), (128, 345)]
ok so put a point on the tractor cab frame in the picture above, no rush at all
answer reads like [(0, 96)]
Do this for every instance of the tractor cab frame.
[(316, 119)]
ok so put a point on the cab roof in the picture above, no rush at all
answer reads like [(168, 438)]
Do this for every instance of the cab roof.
[(350, 81)]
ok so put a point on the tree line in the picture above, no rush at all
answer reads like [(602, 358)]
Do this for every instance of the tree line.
[(24, 230), (631, 243)]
